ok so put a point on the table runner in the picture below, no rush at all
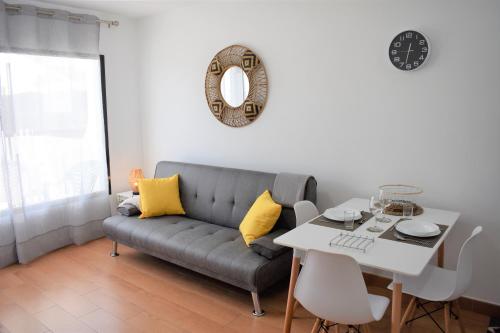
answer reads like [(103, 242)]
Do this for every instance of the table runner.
[(324, 222), (390, 234)]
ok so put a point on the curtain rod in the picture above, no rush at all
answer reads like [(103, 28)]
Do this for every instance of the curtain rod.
[(51, 13)]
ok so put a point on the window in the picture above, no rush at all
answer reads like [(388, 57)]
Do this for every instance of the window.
[(52, 132)]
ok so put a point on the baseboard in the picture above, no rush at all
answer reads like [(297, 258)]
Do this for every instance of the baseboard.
[(485, 308)]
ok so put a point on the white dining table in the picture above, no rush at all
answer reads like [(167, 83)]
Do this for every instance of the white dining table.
[(398, 258)]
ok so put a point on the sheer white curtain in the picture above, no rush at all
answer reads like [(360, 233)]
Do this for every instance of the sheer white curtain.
[(53, 176)]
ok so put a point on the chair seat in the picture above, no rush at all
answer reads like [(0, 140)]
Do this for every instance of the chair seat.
[(378, 304), (434, 284)]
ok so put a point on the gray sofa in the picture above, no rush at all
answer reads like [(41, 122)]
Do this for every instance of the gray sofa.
[(207, 239)]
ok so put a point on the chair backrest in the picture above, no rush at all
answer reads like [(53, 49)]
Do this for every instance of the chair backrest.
[(464, 266), (331, 286), (304, 211)]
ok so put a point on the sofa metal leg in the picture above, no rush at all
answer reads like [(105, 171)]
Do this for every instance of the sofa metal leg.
[(257, 310), (114, 250)]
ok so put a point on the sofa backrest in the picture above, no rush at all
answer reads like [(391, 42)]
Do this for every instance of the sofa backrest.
[(223, 196)]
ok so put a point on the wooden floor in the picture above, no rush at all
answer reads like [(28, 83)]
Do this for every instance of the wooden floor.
[(83, 289)]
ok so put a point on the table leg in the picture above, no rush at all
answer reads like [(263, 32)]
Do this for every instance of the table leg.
[(289, 303), (440, 257), (396, 306)]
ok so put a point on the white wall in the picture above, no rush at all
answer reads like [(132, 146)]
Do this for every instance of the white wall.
[(337, 109), (119, 46)]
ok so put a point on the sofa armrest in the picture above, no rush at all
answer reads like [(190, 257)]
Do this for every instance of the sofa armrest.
[(310, 192)]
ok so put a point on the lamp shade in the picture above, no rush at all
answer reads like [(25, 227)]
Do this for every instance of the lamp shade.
[(133, 177)]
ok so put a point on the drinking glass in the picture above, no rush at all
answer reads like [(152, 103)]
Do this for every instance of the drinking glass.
[(407, 209), (375, 208), (349, 219), (385, 201)]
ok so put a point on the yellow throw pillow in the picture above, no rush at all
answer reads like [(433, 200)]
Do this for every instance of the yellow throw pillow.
[(160, 196), (261, 218)]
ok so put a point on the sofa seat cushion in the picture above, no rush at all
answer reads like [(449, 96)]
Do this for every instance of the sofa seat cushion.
[(197, 245)]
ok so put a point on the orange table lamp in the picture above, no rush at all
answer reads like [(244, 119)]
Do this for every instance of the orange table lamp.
[(133, 177)]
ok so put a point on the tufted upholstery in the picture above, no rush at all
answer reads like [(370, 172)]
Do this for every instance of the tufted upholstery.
[(217, 195), (224, 195), (207, 239)]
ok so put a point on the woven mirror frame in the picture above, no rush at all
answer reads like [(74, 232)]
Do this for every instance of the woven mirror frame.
[(252, 107)]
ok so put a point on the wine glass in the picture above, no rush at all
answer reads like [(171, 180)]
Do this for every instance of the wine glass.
[(375, 208), (385, 201)]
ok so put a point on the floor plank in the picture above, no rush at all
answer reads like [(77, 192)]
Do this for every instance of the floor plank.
[(114, 305), (104, 322), (83, 289), (60, 321), (16, 319), (150, 323), (29, 297), (71, 301), (9, 280)]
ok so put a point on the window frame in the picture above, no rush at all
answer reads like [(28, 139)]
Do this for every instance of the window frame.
[(102, 62)]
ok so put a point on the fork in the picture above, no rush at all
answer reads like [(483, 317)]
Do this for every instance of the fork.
[(407, 239)]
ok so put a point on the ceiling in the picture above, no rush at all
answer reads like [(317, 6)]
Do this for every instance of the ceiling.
[(141, 8), (121, 7)]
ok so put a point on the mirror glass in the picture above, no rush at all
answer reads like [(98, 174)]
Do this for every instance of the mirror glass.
[(234, 86)]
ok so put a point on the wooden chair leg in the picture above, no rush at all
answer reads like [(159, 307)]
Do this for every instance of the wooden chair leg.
[(295, 306), (460, 319), (336, 328), (447, 318), (366, 328), (412, 313), (316, 326), (409, 309)]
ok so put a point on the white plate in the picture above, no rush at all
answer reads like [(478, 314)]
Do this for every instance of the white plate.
[(337, 214), (418, 228)]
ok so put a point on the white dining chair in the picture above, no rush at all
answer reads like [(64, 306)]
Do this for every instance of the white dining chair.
[(304, 211), (331, 286), (438, 284)]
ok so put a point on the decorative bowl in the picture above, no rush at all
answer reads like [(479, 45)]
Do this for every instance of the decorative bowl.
[(400, 195)]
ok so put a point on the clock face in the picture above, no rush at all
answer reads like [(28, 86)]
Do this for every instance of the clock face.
[(409, 50)]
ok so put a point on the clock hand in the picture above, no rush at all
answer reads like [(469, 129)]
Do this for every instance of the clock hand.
[(407, 54)]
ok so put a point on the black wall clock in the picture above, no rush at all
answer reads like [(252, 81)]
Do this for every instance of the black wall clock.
[(409, 50)]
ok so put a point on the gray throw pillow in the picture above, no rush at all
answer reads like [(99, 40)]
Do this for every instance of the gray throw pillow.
[(128, 209), (265, 247)]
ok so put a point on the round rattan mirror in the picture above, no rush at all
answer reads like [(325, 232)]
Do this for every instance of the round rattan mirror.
[(236, 86)]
